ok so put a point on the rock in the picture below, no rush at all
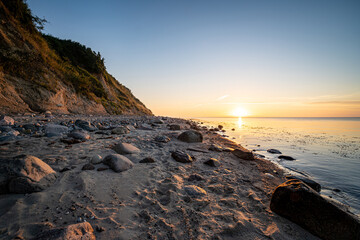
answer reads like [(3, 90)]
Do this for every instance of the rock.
[(212, 162), (299, 203), (96, 159), (52, 130), (88, 166), (48, 114), (86, 125), (233, 129), (314, 185), (146, 126), (288, 158), (243, 154), (174, 127), (190, 136), (147, 160), (163, 139), (6, 121), (158, 121), (79, 134), (194, 191), (216, 148), (25, 174), (273, 151), (118, 163), (182, 157), (195, 177), (125, 148), (13, 133), (79, 231), (220, 127), (120, 130)]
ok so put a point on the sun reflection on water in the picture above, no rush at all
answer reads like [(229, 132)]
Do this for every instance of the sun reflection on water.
[(240, 122)]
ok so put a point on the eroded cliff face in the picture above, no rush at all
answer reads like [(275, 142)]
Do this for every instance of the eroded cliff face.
[(35, 76)]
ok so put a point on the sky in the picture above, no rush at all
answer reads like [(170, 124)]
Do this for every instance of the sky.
[(206, 58)]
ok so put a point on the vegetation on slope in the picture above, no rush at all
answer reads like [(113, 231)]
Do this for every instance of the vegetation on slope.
[(45, 62)]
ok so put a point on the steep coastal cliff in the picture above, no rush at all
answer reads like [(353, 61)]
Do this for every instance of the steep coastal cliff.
[(41, 72)]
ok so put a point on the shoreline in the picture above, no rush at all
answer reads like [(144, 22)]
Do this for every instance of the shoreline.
[(150, 199)]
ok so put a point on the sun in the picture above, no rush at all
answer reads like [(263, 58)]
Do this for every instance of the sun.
[(240, 112)]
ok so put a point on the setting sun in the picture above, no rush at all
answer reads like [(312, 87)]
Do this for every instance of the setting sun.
[(240, 112)]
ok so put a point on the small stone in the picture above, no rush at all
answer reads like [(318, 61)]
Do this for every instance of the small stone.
[(220, 127), (288, 158), (79, 134), (273, 151), (48, 114), (216, 148), (195, 177), (191, 136), (88, 166), (118, 163), (158, 121), (125, 148), (336, 190), (145, 126), (52, 130), (96, 159), (243, 154), (6, 121), (120, 130), (163, 139), (182, 157), (174, 127), (212, 162), (147, 160), (195, 191), (86, 125)]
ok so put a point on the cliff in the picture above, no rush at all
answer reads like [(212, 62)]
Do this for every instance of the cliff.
[(40, 72)]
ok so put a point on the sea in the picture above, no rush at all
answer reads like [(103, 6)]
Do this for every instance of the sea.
[(326, 150)]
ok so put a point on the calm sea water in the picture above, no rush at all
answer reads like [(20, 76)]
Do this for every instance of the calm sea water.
[(326, 149)]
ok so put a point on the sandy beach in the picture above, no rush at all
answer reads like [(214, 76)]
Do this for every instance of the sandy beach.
[(165, 199)]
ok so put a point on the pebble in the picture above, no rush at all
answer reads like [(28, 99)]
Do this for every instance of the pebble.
[(195, 177), (212, 162), (125, 148), (182, 157), (288, 158), (120, 130), (7, 121), (163, 139), (174, 127), (147, 160), (96, 159), (88, 166), (273, 151)]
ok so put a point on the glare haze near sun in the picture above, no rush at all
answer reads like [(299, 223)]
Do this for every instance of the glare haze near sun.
[(223, 58)]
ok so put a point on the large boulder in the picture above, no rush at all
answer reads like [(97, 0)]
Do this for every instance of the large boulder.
[(191, 136), (125, 148), (118, 163), (25, 174), (80, 231), (299, 203), (243, 154)]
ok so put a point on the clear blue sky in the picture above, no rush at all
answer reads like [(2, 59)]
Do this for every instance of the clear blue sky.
[(205, 58)]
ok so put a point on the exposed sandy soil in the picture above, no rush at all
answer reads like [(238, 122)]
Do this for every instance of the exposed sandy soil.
[(147, 201)]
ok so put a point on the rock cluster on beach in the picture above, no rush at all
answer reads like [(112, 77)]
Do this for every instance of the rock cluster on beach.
[(111, 177)]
